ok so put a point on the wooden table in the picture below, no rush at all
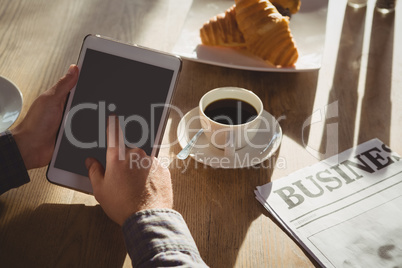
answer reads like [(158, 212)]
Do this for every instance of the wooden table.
[(43, 225)]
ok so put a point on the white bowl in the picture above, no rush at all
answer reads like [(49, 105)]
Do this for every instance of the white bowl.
[(10, 103)]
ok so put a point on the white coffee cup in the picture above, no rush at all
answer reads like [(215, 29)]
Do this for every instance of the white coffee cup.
[(234, 135)]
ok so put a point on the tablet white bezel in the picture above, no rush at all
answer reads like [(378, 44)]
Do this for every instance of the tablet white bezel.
[(95, 42)]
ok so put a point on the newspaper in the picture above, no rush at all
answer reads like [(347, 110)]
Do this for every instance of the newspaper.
[(346, 211)]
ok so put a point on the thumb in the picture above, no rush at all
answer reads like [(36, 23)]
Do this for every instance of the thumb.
[(96, 172), (66, 83)]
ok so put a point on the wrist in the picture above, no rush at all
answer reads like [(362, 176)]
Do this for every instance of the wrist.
[(148, 212), (23, 148)]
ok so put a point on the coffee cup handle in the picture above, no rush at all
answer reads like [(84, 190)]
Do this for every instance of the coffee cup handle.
[(229, 148)]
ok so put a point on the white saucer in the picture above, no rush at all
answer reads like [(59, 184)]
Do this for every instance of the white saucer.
[(264, 144), (10, 103)]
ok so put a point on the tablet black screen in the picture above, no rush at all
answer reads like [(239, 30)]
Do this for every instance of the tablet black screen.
[(107, 85)]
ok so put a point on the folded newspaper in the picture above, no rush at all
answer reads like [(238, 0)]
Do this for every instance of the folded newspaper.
[(346, 211)]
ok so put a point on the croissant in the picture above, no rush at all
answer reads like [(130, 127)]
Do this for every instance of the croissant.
[(222, 30), (292, 5), (266, 32)]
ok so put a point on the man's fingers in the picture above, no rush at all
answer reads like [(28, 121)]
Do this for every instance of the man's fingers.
[(66, 83), (96, 173)]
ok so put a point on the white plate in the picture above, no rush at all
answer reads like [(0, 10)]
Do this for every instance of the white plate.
[(307, 26), (264, 144), (10, 103)]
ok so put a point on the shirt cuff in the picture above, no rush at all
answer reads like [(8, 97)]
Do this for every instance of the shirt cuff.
[(12, 168), (160, 237)]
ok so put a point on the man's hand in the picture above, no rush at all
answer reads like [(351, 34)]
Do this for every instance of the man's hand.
[(36, 134), (127, 186)]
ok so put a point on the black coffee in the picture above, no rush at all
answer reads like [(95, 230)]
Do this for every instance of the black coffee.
[(230, 111)]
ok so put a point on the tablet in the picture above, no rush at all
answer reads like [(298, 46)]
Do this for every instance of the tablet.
[(134, 83)]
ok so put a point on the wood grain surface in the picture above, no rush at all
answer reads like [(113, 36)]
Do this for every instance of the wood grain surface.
[(357, 92)]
